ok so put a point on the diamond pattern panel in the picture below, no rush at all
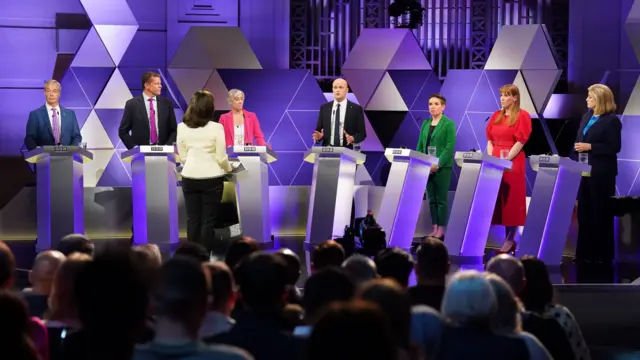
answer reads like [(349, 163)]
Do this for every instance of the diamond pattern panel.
[(92, 52), (285, 136), (92, 80)]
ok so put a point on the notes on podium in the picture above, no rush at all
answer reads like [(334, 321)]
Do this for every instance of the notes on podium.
[(154, 193), (331, 194), (473, 205), (552, 201), (60, 192), (402, 197), (252, 189)]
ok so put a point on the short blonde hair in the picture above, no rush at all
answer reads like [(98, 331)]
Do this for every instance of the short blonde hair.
[(52, 82), (233, 93), (605, 102)]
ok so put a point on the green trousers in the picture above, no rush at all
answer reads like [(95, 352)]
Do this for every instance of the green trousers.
[(438, 190)]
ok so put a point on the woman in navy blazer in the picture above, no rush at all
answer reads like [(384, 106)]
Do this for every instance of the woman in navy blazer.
[(599, 137)]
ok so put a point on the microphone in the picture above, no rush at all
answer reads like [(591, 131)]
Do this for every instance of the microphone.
[(487, 119)]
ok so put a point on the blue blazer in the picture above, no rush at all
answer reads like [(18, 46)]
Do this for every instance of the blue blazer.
[(40, 133)]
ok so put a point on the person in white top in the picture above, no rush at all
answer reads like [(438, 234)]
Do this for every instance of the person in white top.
[(202, 150)]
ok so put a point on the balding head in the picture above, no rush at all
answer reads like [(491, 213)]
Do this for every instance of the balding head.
[(340, 89), (7, 266), (510, 269), (44, 268), (360, 268)]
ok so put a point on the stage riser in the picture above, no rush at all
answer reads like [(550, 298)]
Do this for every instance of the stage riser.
[(108, 213)]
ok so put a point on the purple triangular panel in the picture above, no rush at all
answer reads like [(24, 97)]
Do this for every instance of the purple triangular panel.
[(465, 138), (267, 92), (305, 122), (373, 164), (635, 188), (500, 78), (72, 95), (309, 96), (458, 89), (92, 52), (479, 124), (541, 84), (419, 117), (114, 174), (483, 99), (627, 171), (363, 83), (409, 55), (631, 128), (287, 166), (285, 137), (305, 174), (81, 115), (409, 83), (144, 50), (110, 119), (273, 178), (430, 87), (407, 135), (92, 80)]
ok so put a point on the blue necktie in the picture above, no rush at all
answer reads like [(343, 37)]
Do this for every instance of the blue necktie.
[(336, 127)]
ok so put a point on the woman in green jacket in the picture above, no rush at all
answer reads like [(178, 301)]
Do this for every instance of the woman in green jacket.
[(438, 133)]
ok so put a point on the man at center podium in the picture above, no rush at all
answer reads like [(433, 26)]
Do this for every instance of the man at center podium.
[(51, 124), (340, 122)]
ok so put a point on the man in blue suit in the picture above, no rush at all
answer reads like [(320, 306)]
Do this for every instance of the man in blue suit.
[(52, 124)]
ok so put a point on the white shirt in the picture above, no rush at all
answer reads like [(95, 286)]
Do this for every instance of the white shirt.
[(202, 151), (155, 108), (343, 112), (50, 113)]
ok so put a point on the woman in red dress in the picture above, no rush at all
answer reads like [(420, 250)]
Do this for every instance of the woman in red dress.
[(507, 132)]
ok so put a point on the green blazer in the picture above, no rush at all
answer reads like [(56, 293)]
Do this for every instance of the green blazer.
[(443, 138)]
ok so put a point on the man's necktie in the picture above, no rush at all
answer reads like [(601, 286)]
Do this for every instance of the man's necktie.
[(152, 123), (56, 126), (336, 127)]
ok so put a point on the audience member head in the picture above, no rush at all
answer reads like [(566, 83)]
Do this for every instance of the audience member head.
[(192, 250), (469, 300), (63, 304), (351, 330), (327, 253), (396, 264), (15, 340), (395, 304), (263, 282), (149, 258), (181, 296), (360, 268), (222, 287), (200, 110), (539, 291), (510, 270), (75, 243), (506, 319), (43, 271), (432, 262), (238, 250), (293, 265), (7, 266), (324, 287), (112, 303)]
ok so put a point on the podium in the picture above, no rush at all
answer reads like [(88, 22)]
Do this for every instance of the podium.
[(60, 192), (402, 197), (473, 205), (252, 190), (331, 194), (551, 207), (154, 192)]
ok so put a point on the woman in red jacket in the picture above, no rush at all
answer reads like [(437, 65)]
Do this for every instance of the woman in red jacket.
[(241, 127), (507, 132)]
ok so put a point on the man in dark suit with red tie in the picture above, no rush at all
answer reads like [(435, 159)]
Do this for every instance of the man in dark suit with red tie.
[(148, 119), (340, 122)]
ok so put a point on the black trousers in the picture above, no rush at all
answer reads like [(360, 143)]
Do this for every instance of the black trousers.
[(202, 199), (595, 218)]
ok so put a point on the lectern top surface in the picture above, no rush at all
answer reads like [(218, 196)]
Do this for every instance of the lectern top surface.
[(79, 153), (333, 152), (249, 150), (398, 154), (555, 161), (462, 157), (150, 150)]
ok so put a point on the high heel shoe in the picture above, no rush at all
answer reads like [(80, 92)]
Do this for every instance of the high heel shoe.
[(509, 247)]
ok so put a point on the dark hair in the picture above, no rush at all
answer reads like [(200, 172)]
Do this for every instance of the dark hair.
[(263, 281), (238, 250), (293, 264), (200, 110), (182, 289), (146, 77), (222, 284), (327, 253), (538, 292), (432, 258), (325, 287), (442, 99), (7, 264), (14, 329), (192, 250), (394, 263), (75, 243)]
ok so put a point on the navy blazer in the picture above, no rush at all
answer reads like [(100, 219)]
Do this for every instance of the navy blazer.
[(40, 133), (605, 139), (134, 127), (353, 123)]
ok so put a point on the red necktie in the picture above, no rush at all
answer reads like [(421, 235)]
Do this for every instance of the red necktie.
[(152, 123)]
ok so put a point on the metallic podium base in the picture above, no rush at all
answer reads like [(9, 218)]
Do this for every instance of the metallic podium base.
[(154, 192), (252, 193), (60, 197)]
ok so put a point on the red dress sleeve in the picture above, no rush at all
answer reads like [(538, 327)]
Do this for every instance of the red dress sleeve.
[(523, 127), (490, 125)]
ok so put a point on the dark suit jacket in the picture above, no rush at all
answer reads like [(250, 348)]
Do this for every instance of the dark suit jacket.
[(353, 123), (605, 139), (40, 133), (134, 128)]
